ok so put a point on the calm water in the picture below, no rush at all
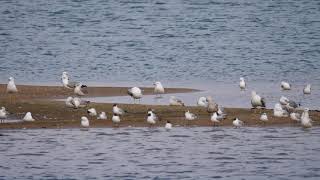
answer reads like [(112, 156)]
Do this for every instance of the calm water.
[(143, 153)]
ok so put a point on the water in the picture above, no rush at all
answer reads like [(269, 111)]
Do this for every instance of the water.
[(175, 41), (144, 153)]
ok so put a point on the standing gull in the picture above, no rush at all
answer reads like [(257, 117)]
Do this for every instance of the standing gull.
[(168, 125), (151, 118), (116, 119), (66, 82), (135, 93), (3, 114), (85, 122), (215, 118), (212, 106), (257, 101), (174, 101), (11, 86), (242, 84), (285, 85), (117, 110), (305, 119), (158, 88), (11, 89), (307, 89)]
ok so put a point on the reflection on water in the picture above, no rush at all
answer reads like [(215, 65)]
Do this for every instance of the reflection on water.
[(145, 153)]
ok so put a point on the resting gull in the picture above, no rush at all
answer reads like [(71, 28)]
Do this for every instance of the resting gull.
[(285, 85)]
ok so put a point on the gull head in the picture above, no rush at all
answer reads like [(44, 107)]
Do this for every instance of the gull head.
[(253, 93), (306, 109), (83, 118), (241, 79), (114, 105), (11, 79)]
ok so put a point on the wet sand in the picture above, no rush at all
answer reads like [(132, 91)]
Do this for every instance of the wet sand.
[(54, 114)]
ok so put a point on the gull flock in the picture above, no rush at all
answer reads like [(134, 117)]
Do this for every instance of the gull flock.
[(284, 108)]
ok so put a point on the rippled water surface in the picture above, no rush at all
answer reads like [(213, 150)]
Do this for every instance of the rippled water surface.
[(140, 40), (146, 153)]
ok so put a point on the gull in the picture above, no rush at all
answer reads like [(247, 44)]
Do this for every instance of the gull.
[(11, 86), (135, 93), (307, 89), (117, 110), (285, 85), (151, 111), (189, 116), (295, 116), (151, 119), (220, 112), (257, 101), (291, 106), (173, 101), (28, 117), (202, 102), (242, 84), (80, 90), (69, 102), (264, 117), (84, 122), (215, 118), (237, 123), (212, 106), (158, 88), (92, 112), (305, 119), (102, 116), (79, 103), (116, 119), (283, 100), (278, 111), (168, 125), (3, 114), (66, 83)]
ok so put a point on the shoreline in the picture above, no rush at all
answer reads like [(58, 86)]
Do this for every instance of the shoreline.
[(39, 100)]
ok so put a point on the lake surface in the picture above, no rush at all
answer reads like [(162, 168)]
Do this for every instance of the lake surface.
[(171, 41), (153, 153)]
